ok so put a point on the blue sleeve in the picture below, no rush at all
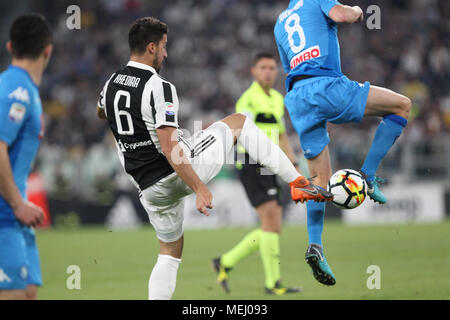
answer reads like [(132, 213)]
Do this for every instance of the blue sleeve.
[(12, 117), (326, 5)]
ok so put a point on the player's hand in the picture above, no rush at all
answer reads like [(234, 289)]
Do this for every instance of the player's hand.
[(204, 200), (29, 214), (360, 14)]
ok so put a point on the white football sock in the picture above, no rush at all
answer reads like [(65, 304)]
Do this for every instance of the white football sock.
[(163, 279), (262, 150)]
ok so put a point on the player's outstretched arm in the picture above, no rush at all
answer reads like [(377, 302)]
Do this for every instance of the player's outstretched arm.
[(177, 159), (26, 212), (346, 14)]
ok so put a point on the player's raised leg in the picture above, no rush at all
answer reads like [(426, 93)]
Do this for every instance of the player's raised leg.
[(265, 152), (163, 278), (394, 108), (320, 169)]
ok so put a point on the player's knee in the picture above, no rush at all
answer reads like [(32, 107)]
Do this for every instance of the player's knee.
[(404, 107), (235, 122), (406, 104), (239, 118)]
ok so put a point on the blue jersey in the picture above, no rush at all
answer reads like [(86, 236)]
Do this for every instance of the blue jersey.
[(307, 39), (21, 127)]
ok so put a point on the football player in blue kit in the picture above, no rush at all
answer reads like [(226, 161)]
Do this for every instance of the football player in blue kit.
[(21, 129), (318, 92)]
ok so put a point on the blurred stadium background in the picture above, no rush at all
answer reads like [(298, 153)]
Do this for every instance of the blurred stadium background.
[(211, 43)]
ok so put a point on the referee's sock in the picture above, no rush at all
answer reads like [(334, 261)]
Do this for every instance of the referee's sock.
[(163, 279), (269, 248), (262, 150), (389, 129), (245, 247)]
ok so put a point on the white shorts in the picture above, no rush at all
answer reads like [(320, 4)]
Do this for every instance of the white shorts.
[(207, 150)]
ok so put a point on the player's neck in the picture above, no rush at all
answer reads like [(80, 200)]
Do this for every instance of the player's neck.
[(144, 59), (34, 68)]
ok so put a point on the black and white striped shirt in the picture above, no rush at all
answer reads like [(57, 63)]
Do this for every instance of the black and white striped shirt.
[(137, 101)]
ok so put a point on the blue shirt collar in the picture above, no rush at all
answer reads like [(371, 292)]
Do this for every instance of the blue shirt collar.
[(25, 72)]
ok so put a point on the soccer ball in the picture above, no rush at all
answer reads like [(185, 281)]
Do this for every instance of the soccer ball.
[(348, 187)]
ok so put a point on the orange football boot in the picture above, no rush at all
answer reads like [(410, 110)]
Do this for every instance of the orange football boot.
[(303, 190)]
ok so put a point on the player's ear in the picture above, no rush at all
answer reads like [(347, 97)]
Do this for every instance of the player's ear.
[(9, 46), (48, 51), (151, 47)]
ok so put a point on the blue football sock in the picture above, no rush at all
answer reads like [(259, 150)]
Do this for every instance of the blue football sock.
[(387, 132), (314, 222)]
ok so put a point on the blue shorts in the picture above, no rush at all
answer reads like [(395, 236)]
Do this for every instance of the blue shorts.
[(19, 258), (315, 101)]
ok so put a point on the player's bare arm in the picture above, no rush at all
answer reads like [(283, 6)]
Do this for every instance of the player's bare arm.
[(101, 113), (26, 212), (346, 14), (170, 147)]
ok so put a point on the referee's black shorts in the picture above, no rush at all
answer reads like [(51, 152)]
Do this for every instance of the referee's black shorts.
[(259, 188)]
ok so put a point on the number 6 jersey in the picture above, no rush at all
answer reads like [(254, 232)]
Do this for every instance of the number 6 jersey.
[(307, 39), (137, 101)]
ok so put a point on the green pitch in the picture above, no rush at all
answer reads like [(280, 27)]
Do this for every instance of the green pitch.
[(414, 262)]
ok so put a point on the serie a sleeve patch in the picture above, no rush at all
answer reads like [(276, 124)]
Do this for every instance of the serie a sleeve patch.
[(170, 110), (16, 112)]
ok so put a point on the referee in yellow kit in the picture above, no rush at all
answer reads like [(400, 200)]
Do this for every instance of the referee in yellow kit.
[(265, 106)]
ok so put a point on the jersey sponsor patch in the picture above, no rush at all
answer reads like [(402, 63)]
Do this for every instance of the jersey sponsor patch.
[(305, 55), (16, 112), (124, 146)]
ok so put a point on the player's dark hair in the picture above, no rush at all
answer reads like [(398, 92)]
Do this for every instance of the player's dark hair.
[(29, 34), (262, 55), (143, 31)]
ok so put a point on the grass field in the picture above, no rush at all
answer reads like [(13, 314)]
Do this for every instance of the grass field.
[(414, 262)]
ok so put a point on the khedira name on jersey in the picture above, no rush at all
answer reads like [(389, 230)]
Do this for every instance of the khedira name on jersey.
[(125, 80)]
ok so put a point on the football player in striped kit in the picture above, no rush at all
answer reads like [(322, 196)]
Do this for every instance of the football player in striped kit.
[(141, 109)]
